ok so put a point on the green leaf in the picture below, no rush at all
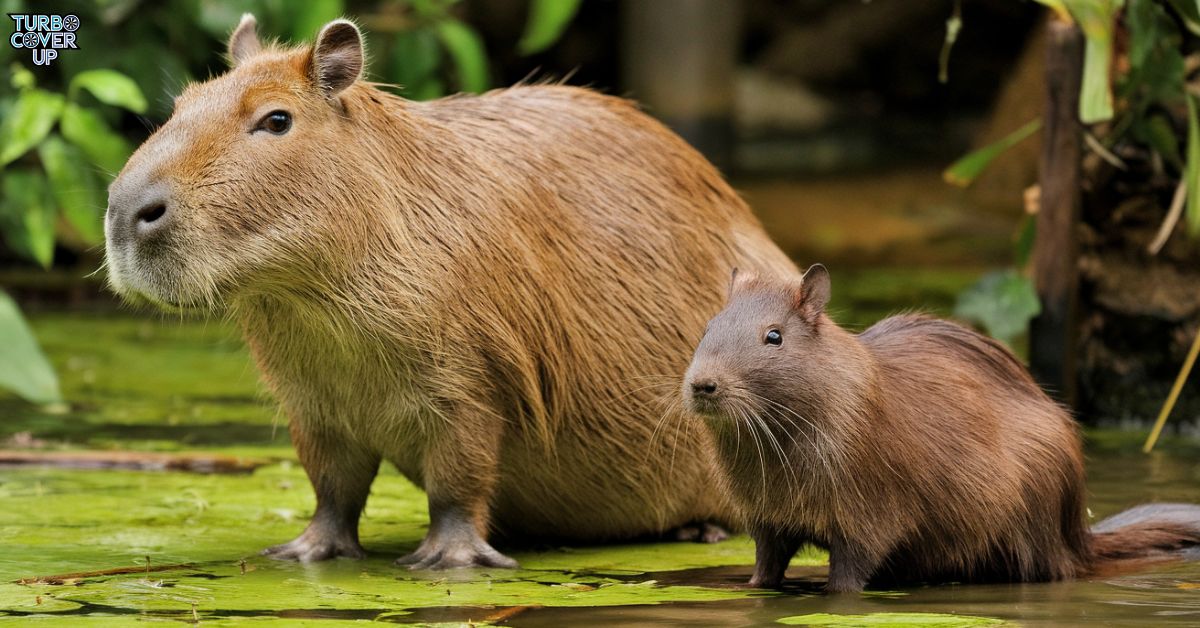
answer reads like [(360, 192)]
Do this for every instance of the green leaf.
[(964, 171), (1097, 19), (466, 49), (30, 119), (309, 17), (1189, 11), (21, 77), (547, 21), (1193, 170), (74, 185), (24, 369), (1002, 302), (87, 130), (1023, 247), (111, 88), (28, 216), (415, 58)]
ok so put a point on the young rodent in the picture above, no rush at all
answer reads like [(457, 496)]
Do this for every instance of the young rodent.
[(916, 451)]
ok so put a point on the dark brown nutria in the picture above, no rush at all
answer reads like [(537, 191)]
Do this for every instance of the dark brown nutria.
[(479, 289), (916, 451)]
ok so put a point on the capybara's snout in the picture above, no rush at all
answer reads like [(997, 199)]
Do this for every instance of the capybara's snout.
[(138, 211)]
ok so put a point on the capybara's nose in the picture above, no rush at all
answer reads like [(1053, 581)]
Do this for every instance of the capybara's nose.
[(137, 212), (704, 388)]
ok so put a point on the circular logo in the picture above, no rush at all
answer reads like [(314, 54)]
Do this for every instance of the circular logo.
[(70, 23), (29, 40)]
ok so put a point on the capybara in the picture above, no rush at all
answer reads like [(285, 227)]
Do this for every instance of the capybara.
[(916, 451), (494, 293)]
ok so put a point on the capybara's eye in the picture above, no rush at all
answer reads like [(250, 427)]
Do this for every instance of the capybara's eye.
[(277, 122), (773, 337)]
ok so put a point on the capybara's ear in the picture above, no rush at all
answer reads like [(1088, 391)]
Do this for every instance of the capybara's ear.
[(337, 59), (813, 294), (733, 276), (243, 43)]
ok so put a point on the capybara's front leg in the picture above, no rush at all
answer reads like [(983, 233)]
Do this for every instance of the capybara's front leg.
[(461, 470), (341, 472), (851, 565), (773, 550)]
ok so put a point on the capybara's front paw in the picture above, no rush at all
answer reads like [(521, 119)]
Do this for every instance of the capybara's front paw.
[(312, 546), (455, 553)]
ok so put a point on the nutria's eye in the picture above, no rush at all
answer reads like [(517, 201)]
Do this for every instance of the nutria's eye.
[(774, 337), (277, 122)]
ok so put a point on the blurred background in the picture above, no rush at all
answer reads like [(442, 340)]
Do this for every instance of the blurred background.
[(899, 142)]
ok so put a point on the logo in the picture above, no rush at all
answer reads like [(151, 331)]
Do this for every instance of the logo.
[(44, 35)]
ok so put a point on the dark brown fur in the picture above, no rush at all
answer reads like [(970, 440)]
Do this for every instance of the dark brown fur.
[(916, 451), (491, 292)]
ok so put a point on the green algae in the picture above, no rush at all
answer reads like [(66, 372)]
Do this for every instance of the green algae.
[(892, 620), (180, 386)]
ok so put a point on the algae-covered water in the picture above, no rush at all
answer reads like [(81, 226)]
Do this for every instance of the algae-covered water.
[(188, 540)]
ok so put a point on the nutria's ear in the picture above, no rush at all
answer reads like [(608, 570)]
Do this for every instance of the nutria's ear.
[(337, 57), (243, 43), (813, 294)]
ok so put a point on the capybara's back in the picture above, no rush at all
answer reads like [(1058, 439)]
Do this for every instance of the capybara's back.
[(494, 293)]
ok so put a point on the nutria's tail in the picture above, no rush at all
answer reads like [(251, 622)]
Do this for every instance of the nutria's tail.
[(1145, 534)]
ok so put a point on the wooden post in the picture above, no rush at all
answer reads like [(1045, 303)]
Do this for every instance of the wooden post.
[(679, 59), (1053, 335)]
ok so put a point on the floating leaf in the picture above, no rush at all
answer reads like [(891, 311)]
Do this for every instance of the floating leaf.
[(87, 130), (466, 49), (1002, 302), (24, 369), (27, 123), (547, 21), (111, 88), (964, 171), (74, 186)]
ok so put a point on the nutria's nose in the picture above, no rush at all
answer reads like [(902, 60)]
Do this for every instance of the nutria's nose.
[(704, 388)]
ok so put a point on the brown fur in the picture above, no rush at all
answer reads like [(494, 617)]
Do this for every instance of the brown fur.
[(490, 292), (916, 451)]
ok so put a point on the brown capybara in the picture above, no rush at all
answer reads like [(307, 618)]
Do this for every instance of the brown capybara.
[(916, 451), (494, 293)]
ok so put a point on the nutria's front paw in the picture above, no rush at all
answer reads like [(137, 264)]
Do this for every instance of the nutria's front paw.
[(455, 553), (703, 532), (312, 546)]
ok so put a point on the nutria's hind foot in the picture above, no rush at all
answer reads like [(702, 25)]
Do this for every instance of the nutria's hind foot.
[(702, 532), (314, 545)]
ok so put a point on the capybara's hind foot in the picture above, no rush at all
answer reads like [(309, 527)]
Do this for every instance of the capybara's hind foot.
[(312, 546), (702, 532), (455, 553)]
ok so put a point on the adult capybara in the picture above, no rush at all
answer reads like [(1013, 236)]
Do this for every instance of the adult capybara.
[(915, 451), (481, 290)]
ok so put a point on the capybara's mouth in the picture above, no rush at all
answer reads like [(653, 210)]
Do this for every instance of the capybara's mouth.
[(708, 407)]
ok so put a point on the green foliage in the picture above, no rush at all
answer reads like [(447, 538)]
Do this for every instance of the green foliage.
[(964, 171), (47, 175), (23, 368), (547, 21), (1003, 303)]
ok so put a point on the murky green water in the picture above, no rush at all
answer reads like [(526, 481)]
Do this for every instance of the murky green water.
[(166, 385)]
